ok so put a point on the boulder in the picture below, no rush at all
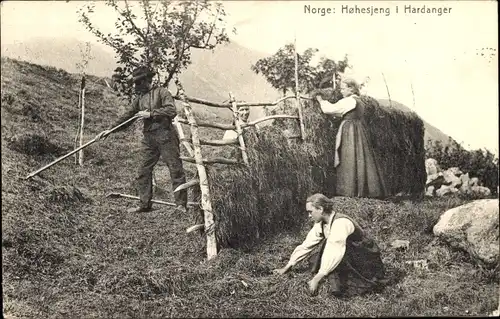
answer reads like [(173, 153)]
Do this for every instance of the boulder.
[(474, 181), (399, 244), (446, 190), (451, 179), (429, 191), (472, 227), (455, 170), (480, 191), (435, 180), (465, 188), (432, 166)]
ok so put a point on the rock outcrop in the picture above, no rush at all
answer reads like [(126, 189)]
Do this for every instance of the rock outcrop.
[(451, 181), (473, 227)]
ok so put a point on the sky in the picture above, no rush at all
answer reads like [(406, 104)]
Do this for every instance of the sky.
[(454, 87)]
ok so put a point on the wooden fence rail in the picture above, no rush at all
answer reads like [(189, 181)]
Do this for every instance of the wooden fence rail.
[(249, 104), (239, 129)]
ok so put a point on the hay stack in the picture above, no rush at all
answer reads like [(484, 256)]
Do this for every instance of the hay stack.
[(321, 131), (397, 137), (269, 196)]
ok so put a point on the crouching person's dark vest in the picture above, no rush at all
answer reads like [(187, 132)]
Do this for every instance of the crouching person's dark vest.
[(361, 265)]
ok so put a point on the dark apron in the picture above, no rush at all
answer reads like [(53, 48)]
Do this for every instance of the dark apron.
[(361, 269)]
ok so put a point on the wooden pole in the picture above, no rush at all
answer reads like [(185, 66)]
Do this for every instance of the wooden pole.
[(297, 93), (250, 104), (180, 131), (239, 130), (215, 160), (270, 117), (154, 179), (204, 102), (82, 123), (186, 185), (206, 203), (219, 142), (78, 149), (210, 124), (334, 80), (387, 88), (116, 195), (107, 84), (75, 144)]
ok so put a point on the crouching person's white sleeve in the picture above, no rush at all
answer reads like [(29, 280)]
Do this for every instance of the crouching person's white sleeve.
[(313, 238)]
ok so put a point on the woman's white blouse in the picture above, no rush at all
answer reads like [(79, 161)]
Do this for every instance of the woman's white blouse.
[(340, 108), (336, 236)]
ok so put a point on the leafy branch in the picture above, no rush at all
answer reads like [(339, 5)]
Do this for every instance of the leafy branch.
[(159, 35)]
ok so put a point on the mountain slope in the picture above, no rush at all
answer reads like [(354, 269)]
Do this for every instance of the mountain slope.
[(431, 133), (63, 53), (211, 76)]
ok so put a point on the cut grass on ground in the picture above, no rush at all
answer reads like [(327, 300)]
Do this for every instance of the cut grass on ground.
[(68, 251)]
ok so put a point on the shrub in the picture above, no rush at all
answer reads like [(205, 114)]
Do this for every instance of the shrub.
[(478, 163)]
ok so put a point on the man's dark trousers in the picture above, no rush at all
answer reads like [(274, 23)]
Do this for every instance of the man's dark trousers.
[(165, 144)]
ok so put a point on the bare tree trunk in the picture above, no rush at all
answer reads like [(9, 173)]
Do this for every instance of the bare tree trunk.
[(387, 88), (82, 123), (297, 93), (76, 144)]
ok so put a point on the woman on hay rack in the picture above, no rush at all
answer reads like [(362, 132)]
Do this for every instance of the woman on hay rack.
[(359, 174)]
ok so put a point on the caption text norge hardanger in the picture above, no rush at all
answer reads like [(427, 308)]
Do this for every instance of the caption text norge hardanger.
[(407, 9)]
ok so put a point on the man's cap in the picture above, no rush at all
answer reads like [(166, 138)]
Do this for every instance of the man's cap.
[(141, 72)]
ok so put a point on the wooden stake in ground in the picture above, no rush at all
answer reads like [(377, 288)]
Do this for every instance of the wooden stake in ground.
[(334, 80), (82, 123), (239, 130), (75, 144), (387, 88), (206, 203), (155, 183), (297, 93)]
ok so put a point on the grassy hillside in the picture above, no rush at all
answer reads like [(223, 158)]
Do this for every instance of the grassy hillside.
[(70, 252)]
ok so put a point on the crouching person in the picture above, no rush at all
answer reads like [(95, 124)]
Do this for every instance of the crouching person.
[(346, 258)]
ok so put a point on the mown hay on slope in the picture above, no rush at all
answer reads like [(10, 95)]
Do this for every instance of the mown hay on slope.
[(34, 145)]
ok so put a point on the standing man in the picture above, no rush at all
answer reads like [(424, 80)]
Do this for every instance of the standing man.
[(156, 107), (347, 258)]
